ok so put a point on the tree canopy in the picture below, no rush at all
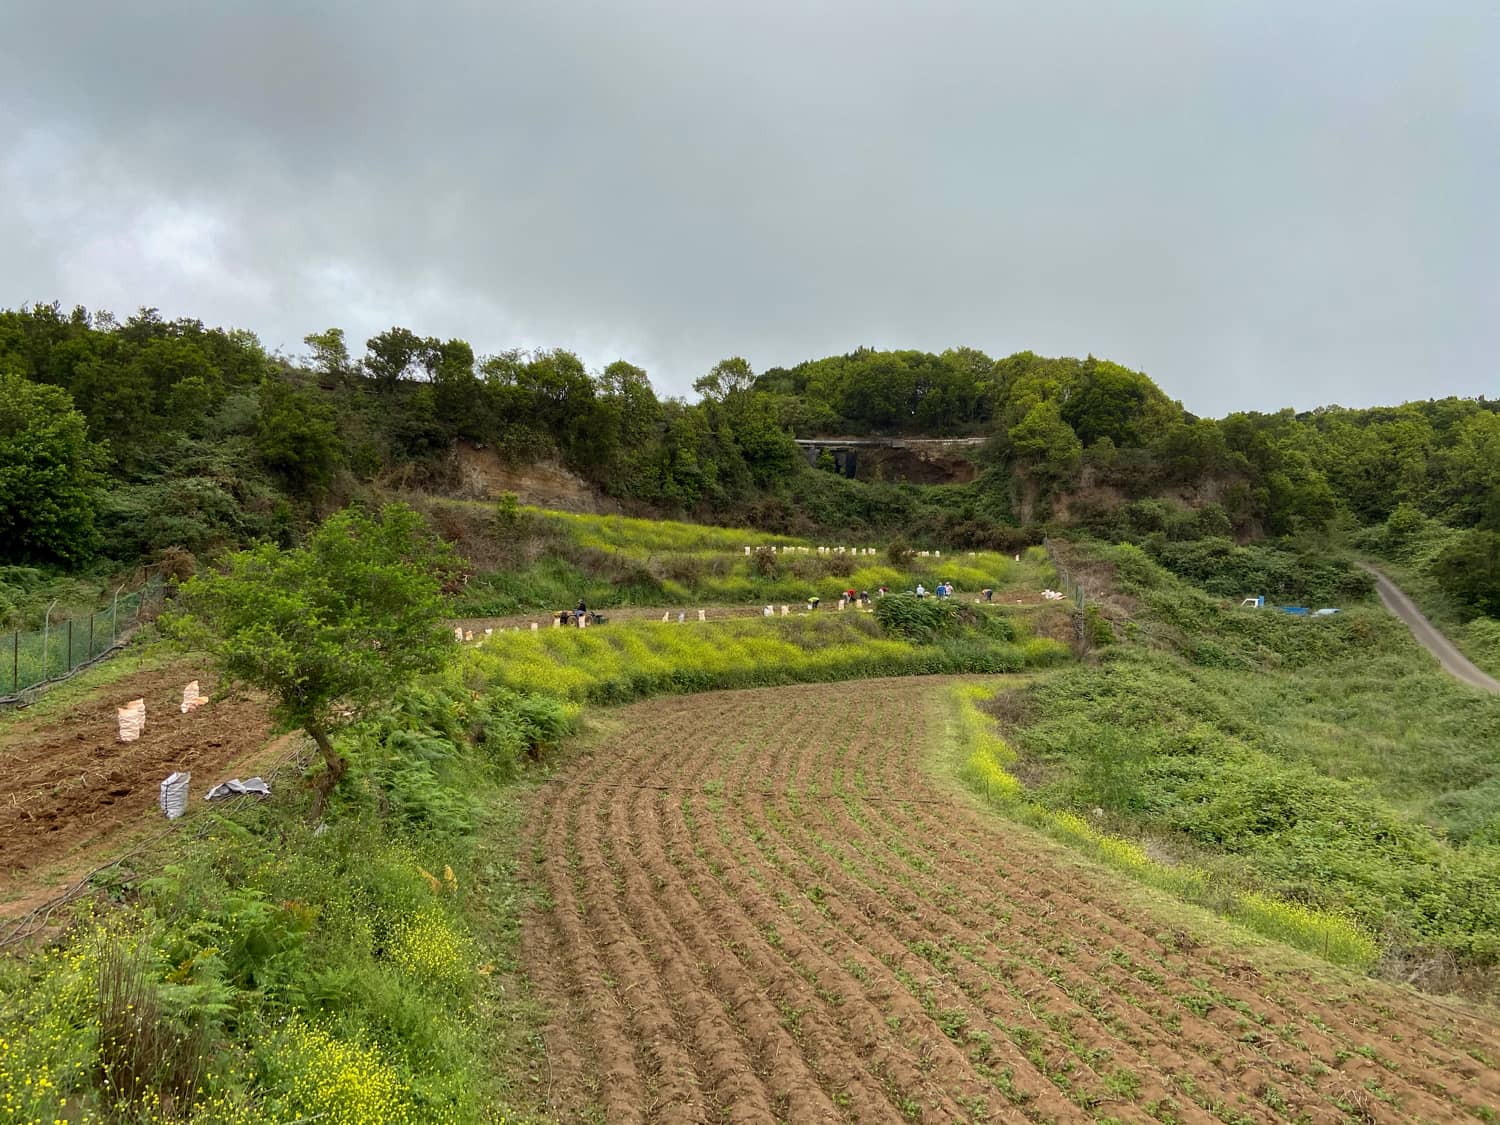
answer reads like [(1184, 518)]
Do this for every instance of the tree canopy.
[(49, 475), (327, 629), (207, 440)]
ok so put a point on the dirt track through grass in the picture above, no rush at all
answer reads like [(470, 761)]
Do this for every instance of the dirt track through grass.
[(759, 907)]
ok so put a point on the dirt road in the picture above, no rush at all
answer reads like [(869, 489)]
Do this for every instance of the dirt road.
[(1454, 662), (760, 906)]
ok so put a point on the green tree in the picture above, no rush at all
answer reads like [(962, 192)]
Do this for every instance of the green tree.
[(330, 356), (1469, 572), (327, 630), (458, 398), (297, 437), (393, 355), (49, 475), (1046, 443), (728, 377)]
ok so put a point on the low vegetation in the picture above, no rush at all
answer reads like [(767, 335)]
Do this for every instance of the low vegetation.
[(1324, 763), (525, 560), (1452, 575)]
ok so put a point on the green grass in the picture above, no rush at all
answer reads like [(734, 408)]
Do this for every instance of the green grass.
[(1323, 763), (543, 560), (631, 659), (984, 760)]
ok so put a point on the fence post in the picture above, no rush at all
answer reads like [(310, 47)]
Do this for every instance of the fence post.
[(15, 662), (91, 636), (69, 666), (114, 613), (46, 631)]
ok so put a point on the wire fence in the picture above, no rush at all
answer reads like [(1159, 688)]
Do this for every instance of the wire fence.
[(1072, 588), (29, 661)]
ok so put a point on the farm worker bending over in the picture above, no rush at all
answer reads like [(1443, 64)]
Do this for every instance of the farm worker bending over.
[(989, 594), (812, 602), (921, 590)]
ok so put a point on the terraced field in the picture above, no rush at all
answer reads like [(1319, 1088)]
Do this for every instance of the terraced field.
[(759, 906)]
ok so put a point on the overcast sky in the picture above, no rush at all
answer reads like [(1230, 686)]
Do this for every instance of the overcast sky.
[(1260, 203)]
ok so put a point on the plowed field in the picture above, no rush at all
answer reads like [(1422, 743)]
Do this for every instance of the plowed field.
[(757, 906), (68, 783)]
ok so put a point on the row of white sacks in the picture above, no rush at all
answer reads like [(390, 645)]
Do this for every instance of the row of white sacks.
[(132, 716), (858, 551)]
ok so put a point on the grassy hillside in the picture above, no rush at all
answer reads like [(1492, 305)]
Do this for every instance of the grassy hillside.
[(527, 560), (1409, 554), (1325, 761)]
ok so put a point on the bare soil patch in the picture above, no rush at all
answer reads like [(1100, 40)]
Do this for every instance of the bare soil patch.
[(758, 906), (70, 788)]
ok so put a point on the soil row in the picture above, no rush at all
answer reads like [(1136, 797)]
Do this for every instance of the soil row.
[(759, 905)]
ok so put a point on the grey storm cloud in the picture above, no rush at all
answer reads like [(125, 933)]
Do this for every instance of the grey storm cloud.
[(1259, 204)]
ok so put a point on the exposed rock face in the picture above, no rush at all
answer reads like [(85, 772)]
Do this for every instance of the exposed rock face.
[(917, 460), (483, 475)]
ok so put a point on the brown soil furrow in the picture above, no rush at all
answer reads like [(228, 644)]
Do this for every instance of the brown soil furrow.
[(807, 981), (1149, 1021), (1234, 1031), (807, 928), (726, 1067), (631, 951), (801, 869), (859, 915), (607, 1057), (1228, 998), (755, 976), (1342, 1033), (866, 1000), (790, 1088), (929, 954)]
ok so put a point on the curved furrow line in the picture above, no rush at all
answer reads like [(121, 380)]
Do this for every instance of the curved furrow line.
[(852, 1008), (1232, 1030), (1419, 1096), (1135, 1015), (668, 1071), (796, 947), (1337, 1048), (863, 921), (1112, 1021), (607, 1054), (685, 872), (791, 1014), (848, 1011), (910, 927), (858, 994), (724, 1066)]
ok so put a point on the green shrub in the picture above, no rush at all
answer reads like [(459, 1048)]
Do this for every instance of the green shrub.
[(914, 618)]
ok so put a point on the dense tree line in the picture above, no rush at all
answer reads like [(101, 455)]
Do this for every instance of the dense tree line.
[(121, 438)]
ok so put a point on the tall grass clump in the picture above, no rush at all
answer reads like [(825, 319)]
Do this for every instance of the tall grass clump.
[(1336, 937)]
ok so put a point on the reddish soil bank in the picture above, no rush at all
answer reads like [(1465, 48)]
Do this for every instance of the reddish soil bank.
[(67, 783), (758, 907)]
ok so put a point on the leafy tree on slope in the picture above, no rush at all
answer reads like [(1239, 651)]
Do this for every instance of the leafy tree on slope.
[(49, 475), (327, 630)]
